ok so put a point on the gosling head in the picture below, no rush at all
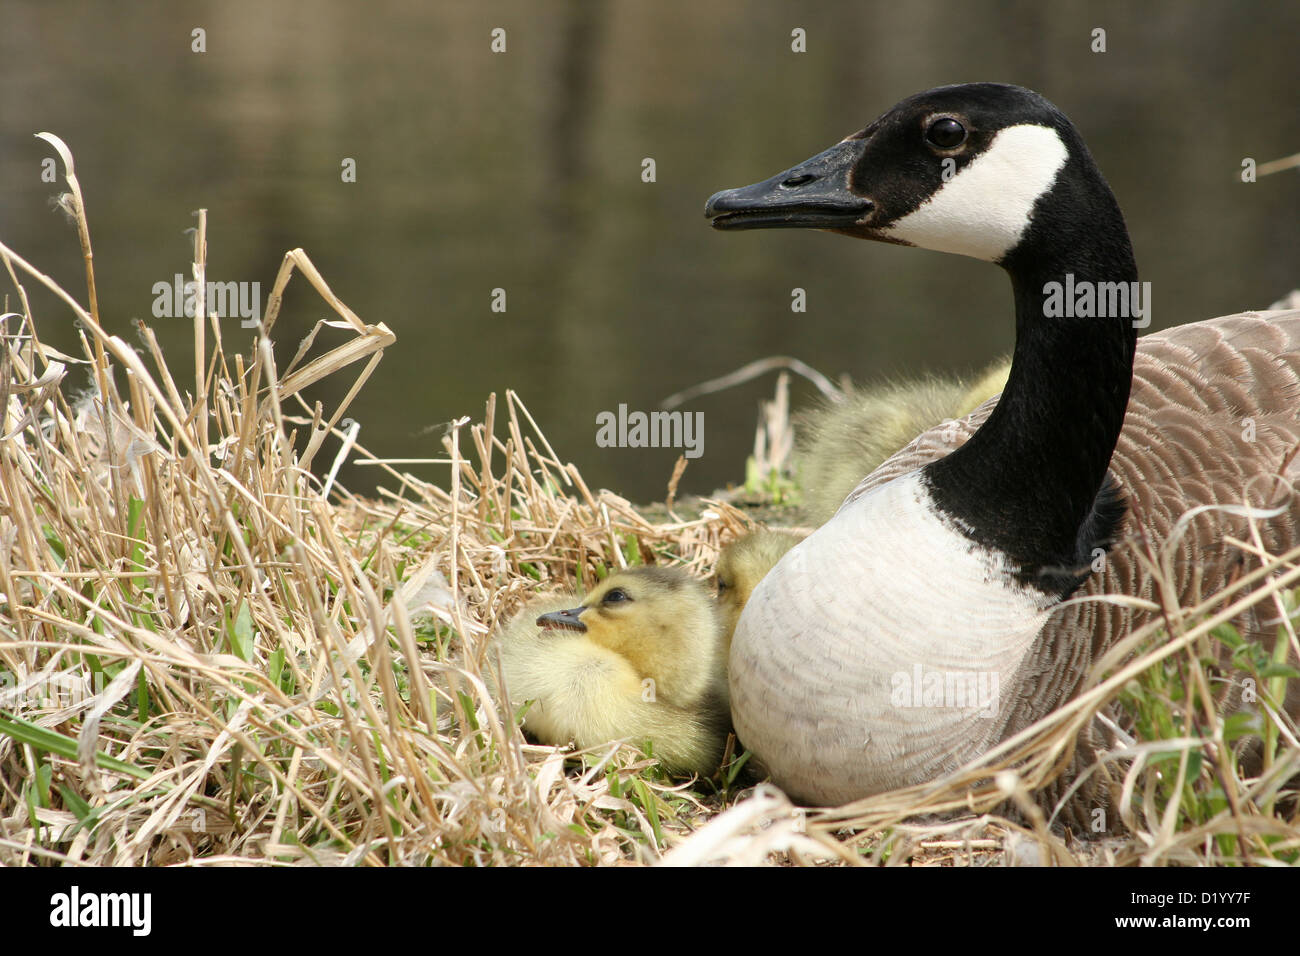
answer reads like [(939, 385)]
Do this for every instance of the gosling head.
[(662, 621), (741, 565)]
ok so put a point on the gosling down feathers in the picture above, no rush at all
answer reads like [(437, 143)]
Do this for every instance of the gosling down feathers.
[(741, 565), (641, 658), (844, 440), (955, 557)]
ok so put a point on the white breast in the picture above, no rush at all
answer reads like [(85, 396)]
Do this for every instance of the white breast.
[(827, 656)]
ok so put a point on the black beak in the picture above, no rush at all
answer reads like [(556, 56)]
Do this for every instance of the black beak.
[(813, 195), (563, 620)]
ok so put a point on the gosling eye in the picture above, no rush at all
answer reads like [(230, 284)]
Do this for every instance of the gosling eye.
[(616, 596), (722, 585), (946, 133)]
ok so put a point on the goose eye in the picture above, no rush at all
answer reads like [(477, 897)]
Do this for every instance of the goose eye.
[(946, 133), (616, 596)]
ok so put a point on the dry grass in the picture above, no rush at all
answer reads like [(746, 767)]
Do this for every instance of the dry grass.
[(210, 656)]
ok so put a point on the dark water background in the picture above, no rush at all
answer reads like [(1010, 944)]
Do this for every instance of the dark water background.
[(522, 171)]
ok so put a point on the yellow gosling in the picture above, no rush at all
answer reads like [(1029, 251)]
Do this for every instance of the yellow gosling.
[(843, 442), (641, 658), (742, 564)]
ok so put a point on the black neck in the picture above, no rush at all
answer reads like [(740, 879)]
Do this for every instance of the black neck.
[(1032, 482)]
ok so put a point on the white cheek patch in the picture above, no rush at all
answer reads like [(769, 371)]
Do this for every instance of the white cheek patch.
[(984, 210)]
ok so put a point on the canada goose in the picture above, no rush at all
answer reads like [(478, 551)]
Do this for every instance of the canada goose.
[(742, 564), (842, 441), (952, 561), (640, 658)]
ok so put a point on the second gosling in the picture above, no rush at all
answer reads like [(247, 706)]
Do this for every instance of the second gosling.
[(842, 442), (742, 564), (642, 657)]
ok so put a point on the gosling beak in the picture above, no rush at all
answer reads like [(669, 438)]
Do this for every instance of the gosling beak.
[(816, 194), (563, 620)]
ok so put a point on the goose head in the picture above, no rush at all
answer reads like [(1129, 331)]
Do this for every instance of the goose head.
[(962, 169), (660, 620)]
